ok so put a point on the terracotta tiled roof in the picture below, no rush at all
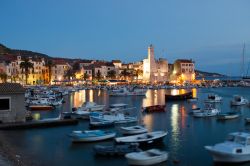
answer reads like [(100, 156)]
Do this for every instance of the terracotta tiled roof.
[(185, 60), (116, 61), (11, 88)]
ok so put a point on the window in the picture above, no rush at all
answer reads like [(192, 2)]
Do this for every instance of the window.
[(4, 104)]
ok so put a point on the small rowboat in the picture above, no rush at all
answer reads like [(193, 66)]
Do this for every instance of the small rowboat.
[(147, 138), (116, 149), (149, 157), (40, 107), (154, 108), (228, 115), (133, 130), (91, 135)]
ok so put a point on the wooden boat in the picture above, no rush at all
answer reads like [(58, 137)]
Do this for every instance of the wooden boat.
[(133, 130), (184, 96), (147, 138), (116, 149), (91, 135), (149, 157), (154, 108), (40, 107), (227, 115)]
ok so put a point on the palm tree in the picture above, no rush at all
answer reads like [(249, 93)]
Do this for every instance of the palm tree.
[(69, 74), (85, 76), (98, 75), (49, 63), (125, 73), (3, 77), (111, 74), (26, 65), (137, 73)]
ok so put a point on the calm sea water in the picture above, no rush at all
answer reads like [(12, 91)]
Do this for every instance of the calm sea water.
[(185, 141)]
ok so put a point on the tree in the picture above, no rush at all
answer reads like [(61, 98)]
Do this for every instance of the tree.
[(69, 74), (3, 77), (98, 75), (26, 65), (76, 66), (49, 63), (125, 73), (137, 73), (85, 76), (111, 74)]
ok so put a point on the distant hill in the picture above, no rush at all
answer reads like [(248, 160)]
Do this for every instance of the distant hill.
[(207, 74)]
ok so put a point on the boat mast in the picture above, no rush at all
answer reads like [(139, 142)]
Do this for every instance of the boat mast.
[(243, 60)]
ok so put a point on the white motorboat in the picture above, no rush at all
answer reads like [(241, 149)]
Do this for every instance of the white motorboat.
[(235, 149), (147, 138), (207, 112), (238, 100), (126, 92), (213, 98), (91, 135), (149, 157), (133, 130), (91, 106), (228, 115), (116, 117), (195, 110)]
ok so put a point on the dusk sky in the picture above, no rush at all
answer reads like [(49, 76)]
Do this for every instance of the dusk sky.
[(211, 32)]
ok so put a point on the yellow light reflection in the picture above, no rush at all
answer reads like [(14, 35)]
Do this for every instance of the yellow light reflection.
[(194, 92), (174, 118), (148, 121), (91, 96)]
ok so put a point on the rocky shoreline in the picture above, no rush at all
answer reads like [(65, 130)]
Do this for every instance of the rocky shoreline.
[(9, 156)]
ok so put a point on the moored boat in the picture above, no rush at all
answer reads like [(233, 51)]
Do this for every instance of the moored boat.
[(147, 138), (227, 115), (207, 112), (235, 149), (40, 107), (213, 98), (177, 97), (149, 157), (91, 135), (154, 108), (116, 149), (238, 100), (133, 130)]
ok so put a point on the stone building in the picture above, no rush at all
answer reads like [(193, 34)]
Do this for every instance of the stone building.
[(154, 70), (184, 71), (12, 108)]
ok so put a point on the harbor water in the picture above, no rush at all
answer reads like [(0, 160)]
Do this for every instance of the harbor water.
[(185, 141)]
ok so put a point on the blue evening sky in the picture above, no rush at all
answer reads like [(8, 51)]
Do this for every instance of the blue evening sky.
[(211, 32)]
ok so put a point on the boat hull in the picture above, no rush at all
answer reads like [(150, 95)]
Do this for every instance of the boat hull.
[(93, 139), (150, 161), (228, 157)]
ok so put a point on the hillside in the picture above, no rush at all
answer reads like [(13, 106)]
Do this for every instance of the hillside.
[(207, 74)]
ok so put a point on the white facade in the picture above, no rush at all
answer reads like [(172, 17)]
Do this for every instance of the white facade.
[(154, 71)]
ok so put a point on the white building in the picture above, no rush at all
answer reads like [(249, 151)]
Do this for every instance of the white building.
[(154, 71)]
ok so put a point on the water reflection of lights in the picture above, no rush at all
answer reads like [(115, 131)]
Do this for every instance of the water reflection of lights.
[(174, 118), (175, 128), (91, 96), (99, 92), (148, 121), (174, 92), (194, 92)]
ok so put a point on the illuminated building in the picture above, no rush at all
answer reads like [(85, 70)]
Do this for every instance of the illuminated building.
[(154, 70), (183, 71)]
